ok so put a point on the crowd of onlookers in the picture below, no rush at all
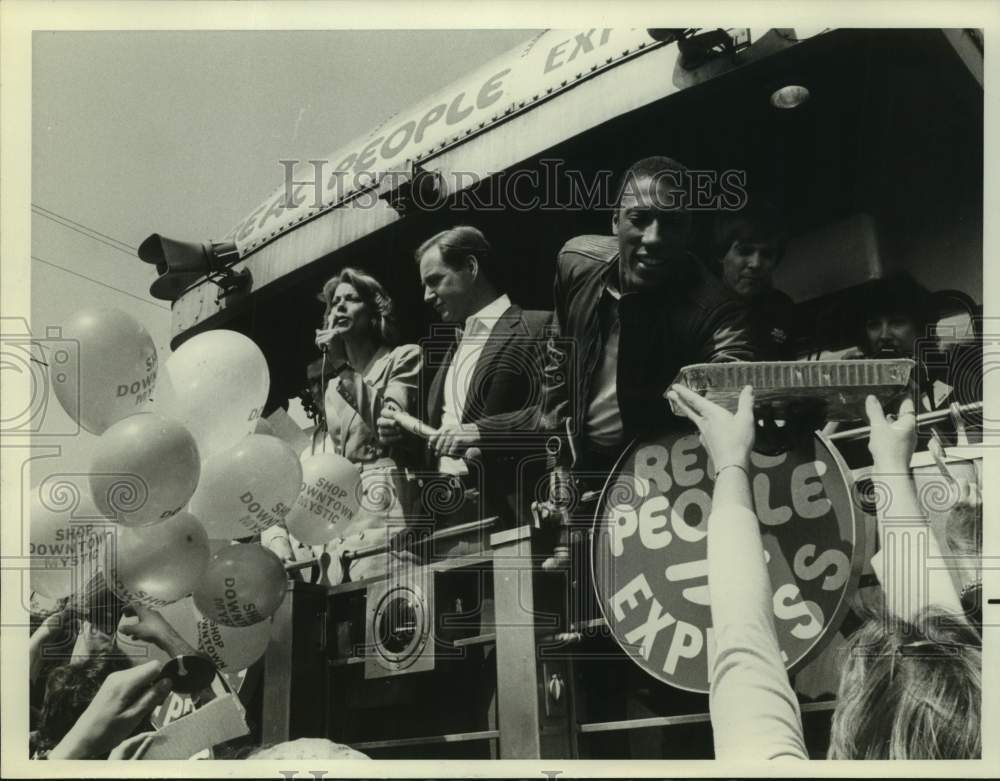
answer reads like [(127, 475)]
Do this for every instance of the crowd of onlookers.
[(92, 700)]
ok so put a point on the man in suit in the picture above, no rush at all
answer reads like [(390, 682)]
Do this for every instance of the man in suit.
[(486, 380)]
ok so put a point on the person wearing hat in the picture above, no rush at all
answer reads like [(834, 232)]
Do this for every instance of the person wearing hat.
[(896, 321), (892, 318)]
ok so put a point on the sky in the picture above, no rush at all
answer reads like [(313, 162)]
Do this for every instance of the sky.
[(180, 133)]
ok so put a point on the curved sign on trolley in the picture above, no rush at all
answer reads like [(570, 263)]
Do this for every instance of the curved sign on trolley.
[(551, 63), (515, 81), (648, 552)]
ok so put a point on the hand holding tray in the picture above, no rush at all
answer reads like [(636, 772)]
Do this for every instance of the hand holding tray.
[(837, 389)]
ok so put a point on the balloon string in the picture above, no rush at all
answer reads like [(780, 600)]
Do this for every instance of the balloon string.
[(321, 428), (326, 423)]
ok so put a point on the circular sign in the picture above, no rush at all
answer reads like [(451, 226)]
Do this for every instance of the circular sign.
[(648, 552)]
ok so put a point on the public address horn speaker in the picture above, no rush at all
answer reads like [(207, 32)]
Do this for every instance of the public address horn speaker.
[(181, 263)]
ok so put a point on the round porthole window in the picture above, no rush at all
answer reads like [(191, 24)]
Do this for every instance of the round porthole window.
[(400, 624)]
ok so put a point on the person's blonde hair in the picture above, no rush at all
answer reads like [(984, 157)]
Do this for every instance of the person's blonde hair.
[(910, 690), (375, 298)]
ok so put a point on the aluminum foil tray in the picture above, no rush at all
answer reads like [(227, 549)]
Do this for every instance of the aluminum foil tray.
[(839, 387)]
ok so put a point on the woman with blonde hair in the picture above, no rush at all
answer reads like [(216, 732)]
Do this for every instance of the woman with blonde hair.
[(365, 370), (910, 690), (369, 369), (911, 687)]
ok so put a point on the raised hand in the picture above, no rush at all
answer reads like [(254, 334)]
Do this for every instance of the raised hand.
[(727, 437), (331, 341), (323, 337), (893, 438), (124, 699), (154, 628)]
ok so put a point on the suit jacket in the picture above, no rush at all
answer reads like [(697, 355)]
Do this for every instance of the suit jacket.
[(503, 401)]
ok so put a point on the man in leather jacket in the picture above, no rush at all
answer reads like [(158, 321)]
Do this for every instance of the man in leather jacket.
[(632, 310)]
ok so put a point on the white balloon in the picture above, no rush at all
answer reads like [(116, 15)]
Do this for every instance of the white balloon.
[(231, 648), (144, 468), (159, 564), (328, 501), (247, 488), (106, 371), (67, 538), (216, 384)]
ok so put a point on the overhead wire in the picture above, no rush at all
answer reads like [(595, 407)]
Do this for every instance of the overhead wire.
[(102, 284), (96, 235), (81, 228)]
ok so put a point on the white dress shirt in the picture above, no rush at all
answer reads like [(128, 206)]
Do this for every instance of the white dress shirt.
[(458, 380)]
